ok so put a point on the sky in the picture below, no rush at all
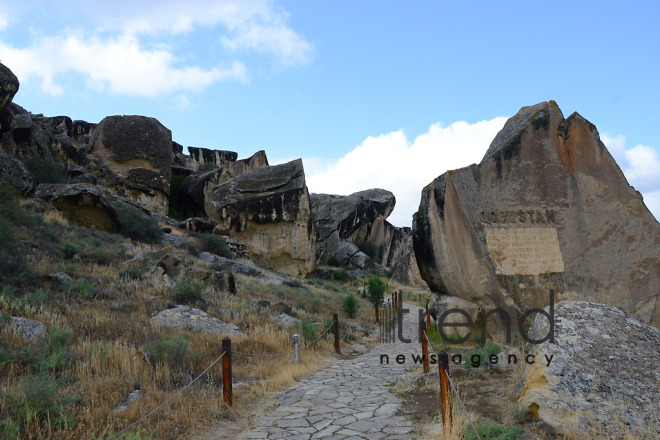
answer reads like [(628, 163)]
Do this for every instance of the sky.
[(385, 94)]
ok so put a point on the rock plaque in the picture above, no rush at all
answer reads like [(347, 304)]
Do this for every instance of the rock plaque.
[(524, 251)]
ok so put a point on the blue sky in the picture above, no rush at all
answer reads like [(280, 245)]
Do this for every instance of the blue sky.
[(370, 94)]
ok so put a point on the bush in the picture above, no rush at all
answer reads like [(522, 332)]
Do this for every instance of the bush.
[(175, 190), (351, 305), (316, 305), (332, 261), (308, 329), (484, 352), (171, 350), (131, 273), (376, 290), (491, 431), (188, 291), (136, 225), (215, 245), (340, 275), (11, 259), (368, 248), (83, 288), (46, 171), (208, 166)]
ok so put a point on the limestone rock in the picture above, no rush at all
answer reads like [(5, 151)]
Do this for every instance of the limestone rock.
[(132, 155), (285, 320), (81, 202), (439, 304), (19, 135), (28, 329), (223, 281), (237, 267), (189, 318), (195, 189), (603, 373), (405, 270), (14, 174), (281, 307), (8, 86), (196, 224), (166, 258), (268, 211), (229, 314), (547, 208), (214, 157)]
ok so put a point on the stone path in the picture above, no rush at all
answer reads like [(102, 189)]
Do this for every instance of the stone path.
[(349, 400)]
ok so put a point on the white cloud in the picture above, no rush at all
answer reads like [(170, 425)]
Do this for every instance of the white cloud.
[(392, 162), (120, 65), (122, 49)]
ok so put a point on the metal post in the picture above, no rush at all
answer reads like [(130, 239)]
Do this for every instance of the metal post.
[(445, 393), (376, 310), (425, 348), (396, 301), (226, 371), (335, 317), (296, 343)]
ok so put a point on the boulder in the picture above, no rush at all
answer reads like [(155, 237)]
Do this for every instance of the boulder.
[(226, 314), (14, 174), (281, 307), (19, 135), (268, 211), (405, 270), (603, 373), (82, 130), (81, 202), (195, 189), (27, 329), (285, 320), (132, 155), (8, 86), (338, 252), (439, 304), (344, 221), (221, 263), (223, 281), (547, 208), (189, 318), (196, 224), (213, 157), (166, 258)]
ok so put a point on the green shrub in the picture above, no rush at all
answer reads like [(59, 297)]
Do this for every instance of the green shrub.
[(40, 399), (46, 171), (171, 350), (484, 352), (350, 305), (12, 263), (83, 288), (215, 245), (308, 329), (340, 275), (175, 190), (48, 354), (137, 225), (132, 273), (491, 431), (189, 291), (316, 305), (376, 290), (368, 248), (332, 261)]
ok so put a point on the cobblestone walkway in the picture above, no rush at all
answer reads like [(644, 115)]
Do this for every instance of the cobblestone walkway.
[(349, 400)]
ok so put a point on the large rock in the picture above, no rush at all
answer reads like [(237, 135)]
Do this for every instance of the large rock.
[(268, 211), (195, 189), (547, 208), (344, 221), (236, 267), (132, 155), (14, 174), (19, 135), (189, 318), (603, 372), (8, 86), (405, 270), (82, 202), (28, 329), (214, 157)]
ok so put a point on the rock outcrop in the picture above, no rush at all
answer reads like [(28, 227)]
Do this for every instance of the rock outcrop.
[(189, 318), (405, 270), (268, 211), (132, 155), (14, 174), (343, 222), (193, 198), (8, 86), (214, 157), (602, 373), (547, 208), (81, 202)]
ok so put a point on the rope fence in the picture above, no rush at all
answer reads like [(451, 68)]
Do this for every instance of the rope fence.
[(226, 370)]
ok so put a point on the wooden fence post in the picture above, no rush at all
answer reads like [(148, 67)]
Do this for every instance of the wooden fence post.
[(420, 298), (226, 370), (425, 348), (335, 317), (396, 301), (445, 393)]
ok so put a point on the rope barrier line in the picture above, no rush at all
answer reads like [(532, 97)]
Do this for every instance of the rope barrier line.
[(455, 392), (168, 400)]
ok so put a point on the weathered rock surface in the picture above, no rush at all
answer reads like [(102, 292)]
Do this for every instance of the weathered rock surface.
[(603, 373), (344, 221), (405, 270), (132, 155), (14, 174), (223, 281), (81, 202), (207, 156), (8, 86), (197, 224), (268, 211), (28, 329), (195, 189), (440, 304), (237, 267), (168, 259), (285, 320), (19, 135), (189, 318), (547, 208)]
